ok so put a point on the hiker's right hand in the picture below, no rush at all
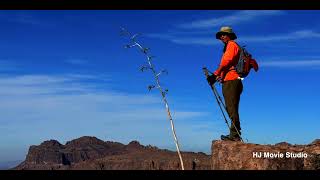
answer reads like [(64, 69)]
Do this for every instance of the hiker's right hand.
[(211, 79)]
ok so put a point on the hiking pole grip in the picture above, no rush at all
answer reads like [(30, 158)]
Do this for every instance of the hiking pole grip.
[(210, 78), (205, 71)]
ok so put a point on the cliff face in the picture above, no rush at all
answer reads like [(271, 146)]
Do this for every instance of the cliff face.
[(78, 150), (92, 153), (229, 155)]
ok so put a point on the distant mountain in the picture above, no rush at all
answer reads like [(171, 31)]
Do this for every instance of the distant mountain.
[(9, 164), (92, 153)]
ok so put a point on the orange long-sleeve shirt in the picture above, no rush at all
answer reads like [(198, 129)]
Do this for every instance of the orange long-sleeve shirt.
[(228, 62)]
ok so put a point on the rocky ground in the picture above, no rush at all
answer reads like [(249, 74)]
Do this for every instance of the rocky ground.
[(228, 155)]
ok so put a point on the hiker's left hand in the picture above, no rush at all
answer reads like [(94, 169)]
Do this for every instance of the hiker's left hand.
[(219, 79)]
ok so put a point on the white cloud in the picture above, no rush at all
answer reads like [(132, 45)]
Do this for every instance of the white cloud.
[(27, 19), (71, 89), (302, 34), (76, 61), (89, 76), (207, 38), (32, 80), (195, 41), (160, 36), (21, 17), (236, 18), (188, 114), (290, 64), (289, 36), (41, 84)]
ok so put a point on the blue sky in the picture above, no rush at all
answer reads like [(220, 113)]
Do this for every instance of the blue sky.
[(65, 74)]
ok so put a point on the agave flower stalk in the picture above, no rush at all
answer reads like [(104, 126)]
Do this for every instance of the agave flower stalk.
[(157, 85)]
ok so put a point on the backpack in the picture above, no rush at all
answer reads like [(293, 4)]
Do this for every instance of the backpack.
[(245, 63)]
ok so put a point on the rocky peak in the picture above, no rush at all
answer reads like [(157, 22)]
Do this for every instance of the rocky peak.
[(283, 144), (317, 141), (134, 145), (85, 141), (230, 155), (51, 144), (46, 152)]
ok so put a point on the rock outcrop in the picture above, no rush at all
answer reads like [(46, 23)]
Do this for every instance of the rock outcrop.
[(230, 155), (94, 154)]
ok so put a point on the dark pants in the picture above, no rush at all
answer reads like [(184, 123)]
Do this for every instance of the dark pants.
[(231, 92)]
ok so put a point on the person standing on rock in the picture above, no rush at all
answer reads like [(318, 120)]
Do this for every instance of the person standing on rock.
[(230, 79)]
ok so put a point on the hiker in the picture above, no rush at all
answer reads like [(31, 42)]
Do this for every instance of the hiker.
[(230, 79)]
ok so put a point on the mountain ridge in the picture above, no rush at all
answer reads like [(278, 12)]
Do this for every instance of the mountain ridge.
[(89, 152)]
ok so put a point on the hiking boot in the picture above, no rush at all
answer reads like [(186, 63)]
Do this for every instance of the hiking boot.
[(229, 138), (236, 138), (225, 138)]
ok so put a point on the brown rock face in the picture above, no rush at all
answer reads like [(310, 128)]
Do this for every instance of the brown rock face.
[(46, 152), (229, 155), (94, 154), (82, 149)]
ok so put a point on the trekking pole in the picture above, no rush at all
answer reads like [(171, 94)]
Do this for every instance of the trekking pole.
[(205, 70), (219, 101), (156, 76)]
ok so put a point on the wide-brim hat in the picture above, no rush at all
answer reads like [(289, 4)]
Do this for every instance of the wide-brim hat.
[(226, 30)]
